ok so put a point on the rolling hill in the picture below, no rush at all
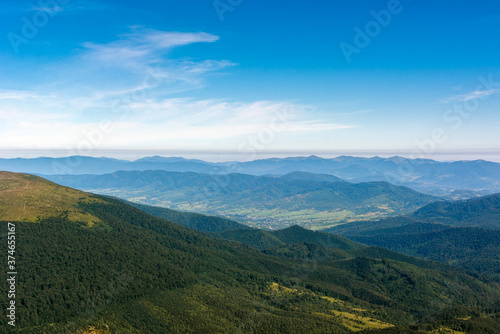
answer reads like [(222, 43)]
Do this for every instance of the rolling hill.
[(195, 221), (135, 273), (462, 233), (270, 202), (470, 248), (477, 212), (483, 212), (263, 240)]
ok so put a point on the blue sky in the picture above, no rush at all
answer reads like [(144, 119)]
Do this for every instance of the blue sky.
[(250, 78)]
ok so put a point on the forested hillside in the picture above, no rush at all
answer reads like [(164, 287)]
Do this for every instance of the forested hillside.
[(133, 273), (462, 233)]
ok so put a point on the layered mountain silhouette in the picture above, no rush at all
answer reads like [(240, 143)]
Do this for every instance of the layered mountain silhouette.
[(458, 179), (310, 200)]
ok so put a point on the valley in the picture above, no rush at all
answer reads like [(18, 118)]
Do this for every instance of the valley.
[(306, 199)]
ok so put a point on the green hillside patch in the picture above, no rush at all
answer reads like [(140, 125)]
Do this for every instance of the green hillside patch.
[(26, 197)]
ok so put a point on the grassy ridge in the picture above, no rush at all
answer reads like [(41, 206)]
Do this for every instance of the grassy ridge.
[(311, 201), (26, 197)]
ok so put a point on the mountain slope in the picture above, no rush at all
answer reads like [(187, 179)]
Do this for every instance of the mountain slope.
[(471, 248), (195, 221), (134, 273), (258, 201), (26, 197), (482, 212), (463, 233), (478, 212), (261, 239)]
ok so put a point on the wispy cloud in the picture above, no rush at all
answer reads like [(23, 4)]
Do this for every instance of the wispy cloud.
[(170, 123), (145, 53), (49, 10), (356, 112), (137, 74), (20, 95), (73, 6), (471, 96), (136, 68), (143, 46), (50, 7)]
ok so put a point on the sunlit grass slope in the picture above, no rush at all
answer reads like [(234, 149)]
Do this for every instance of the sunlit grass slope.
[(25, 197)]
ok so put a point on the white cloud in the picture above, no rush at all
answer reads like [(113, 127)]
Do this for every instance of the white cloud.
[(143, 47), (132, 70), (72, 6), (170, 123), (140, 62), (20, 95), (49, 10), (471, 96), (129, 82)]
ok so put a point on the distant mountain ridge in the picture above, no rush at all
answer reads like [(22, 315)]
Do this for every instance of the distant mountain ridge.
[(463, 178), (309, 200)]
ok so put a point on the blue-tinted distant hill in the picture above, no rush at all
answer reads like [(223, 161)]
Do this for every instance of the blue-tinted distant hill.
[(272, 202), (463, 179), (77, 165), (421, 174)]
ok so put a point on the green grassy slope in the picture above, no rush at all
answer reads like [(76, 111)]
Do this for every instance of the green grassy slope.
[(25, 197)]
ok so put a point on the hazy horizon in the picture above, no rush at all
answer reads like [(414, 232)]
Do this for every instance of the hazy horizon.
[(221, 156)]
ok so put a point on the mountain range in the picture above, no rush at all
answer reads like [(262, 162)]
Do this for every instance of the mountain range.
[(306, 199), (456, 179), (93, 264)]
